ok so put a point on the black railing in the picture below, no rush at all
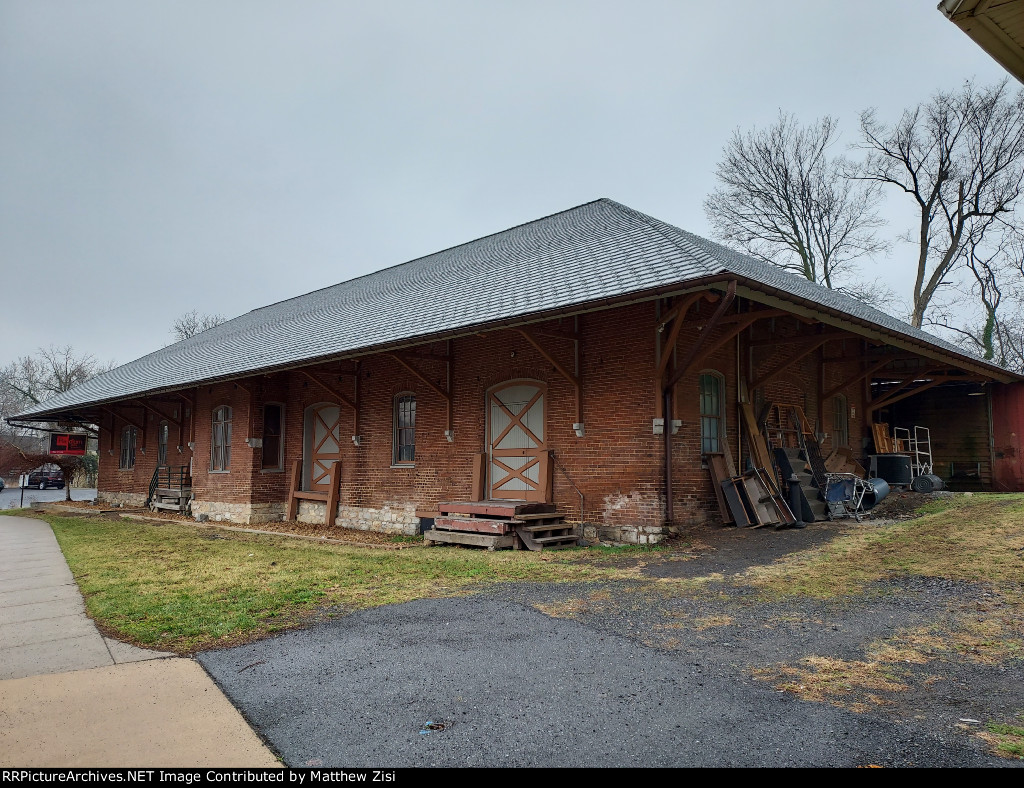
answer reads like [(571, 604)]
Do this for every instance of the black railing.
[(169, 477)]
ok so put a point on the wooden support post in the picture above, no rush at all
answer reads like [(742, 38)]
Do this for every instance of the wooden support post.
[(479, 476), (191, 402), (545, 476), (334, 494), (296, 485)]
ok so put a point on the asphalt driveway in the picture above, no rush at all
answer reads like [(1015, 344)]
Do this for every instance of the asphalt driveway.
[(491, 680)]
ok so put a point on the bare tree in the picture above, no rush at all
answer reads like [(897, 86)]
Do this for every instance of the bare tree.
[(996, 266), (192, 323), (960, 157), (31, 380), (783, 200)]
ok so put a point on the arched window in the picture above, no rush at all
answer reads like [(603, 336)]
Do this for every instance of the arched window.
[(220, 455), (128, 437), (712, 412), (162, 432), (405, 429), (840, 422), (273, 432)]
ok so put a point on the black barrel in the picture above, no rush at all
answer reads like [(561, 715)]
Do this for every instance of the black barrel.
[(894, 468), (926, 483), (877, 490)]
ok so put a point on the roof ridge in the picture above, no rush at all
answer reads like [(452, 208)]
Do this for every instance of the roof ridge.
[(658, 224)]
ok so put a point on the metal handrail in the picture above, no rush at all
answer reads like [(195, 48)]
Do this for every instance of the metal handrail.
[(174, 475)]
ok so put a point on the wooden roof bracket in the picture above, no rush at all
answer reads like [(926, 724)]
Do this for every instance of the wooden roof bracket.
[(696, 349), (191, 402), (157, 412), (810, 345), (574, 379), (140, 427), (449, 433), (894, 397), (859, 376)]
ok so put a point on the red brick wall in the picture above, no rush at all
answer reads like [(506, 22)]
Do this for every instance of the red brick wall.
[(618, 465), (112, 478)]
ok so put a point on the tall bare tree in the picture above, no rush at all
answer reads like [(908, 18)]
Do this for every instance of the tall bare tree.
[(192, 323), (960, 158), (995, 267), (783, 199), (31, 380)]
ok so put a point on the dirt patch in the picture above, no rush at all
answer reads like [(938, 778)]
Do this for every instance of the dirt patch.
[(904, 504)]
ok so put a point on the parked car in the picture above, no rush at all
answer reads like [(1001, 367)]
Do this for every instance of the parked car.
[(1, 485), (44, 479)]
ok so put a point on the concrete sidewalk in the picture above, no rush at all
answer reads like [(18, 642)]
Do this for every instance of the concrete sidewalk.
[(70, 697)]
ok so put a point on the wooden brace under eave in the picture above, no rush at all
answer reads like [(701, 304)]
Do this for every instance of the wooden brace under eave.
[(446, 395), (574, 379)]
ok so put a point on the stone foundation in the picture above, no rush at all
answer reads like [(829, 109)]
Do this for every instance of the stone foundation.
[(628, 534), (246, 513), (393, 519), (117, 498)]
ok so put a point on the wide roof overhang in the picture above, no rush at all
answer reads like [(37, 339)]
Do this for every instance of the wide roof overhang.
[(754, 291)]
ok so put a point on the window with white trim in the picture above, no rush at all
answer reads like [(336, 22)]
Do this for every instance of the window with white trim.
[(129, 436), (220, 450), (405, 429), (712, 412), (273, 437)]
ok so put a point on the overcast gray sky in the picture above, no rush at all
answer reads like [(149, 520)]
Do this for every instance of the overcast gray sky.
[(160, 157)]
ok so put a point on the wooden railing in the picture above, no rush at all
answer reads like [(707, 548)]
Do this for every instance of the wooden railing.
[(330, 497)]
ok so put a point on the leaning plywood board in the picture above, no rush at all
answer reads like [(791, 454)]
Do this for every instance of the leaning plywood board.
[(717, 467), (758, 448), (738, 502), (759, 500)]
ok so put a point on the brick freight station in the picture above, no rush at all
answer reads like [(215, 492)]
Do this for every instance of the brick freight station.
[(591, 360)]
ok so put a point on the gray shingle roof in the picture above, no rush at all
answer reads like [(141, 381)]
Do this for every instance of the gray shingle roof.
[(595, 251)]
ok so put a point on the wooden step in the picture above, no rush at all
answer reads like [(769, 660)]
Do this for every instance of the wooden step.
[(174, 507), (173, 492), (560, 526), (507, 509), (539, 517), (490, 541), (475, 524), (527, 534)]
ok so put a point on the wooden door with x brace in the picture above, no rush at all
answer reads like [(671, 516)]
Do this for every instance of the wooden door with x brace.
[(322, 444), (516, 442)]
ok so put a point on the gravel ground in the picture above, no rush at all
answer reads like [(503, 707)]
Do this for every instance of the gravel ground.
[(619, 674)]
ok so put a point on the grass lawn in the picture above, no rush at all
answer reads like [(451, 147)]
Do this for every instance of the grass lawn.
[(183, 588)]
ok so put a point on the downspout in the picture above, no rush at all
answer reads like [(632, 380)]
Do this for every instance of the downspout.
[(667, 434), (991, 436)]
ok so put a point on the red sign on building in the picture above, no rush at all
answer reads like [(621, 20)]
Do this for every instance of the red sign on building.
[(67, 444)]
